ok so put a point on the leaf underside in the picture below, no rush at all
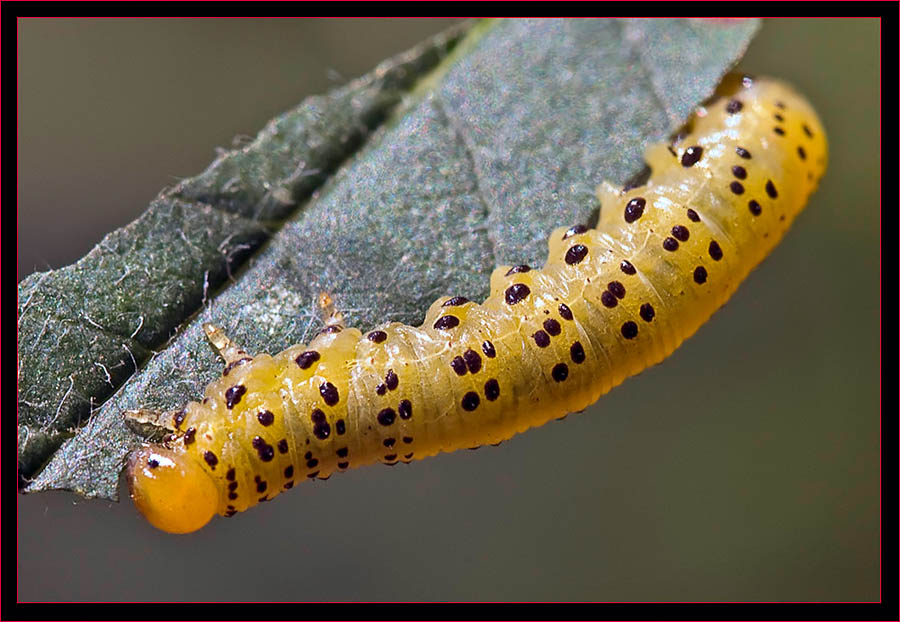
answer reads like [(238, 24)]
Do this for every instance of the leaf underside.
[(409, 183)]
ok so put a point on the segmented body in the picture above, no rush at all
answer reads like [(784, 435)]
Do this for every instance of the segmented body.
[(608, 303)]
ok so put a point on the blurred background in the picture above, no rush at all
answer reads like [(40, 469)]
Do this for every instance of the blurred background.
[(762, 487)]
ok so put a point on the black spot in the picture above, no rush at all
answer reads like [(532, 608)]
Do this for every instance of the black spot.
[(232, 495), (670, 244), (409, 455), (517, 269), (407, 439), (289, 472), (377, 336), (488, 348), (404, 409), (307, 455), (739, 171), (306, 359), (387, 416), (807, 131), (233, 395), (801, 152), (743, 153), (700, 275), (331, 328), (340, 427), (565, 312), (629, 330), (635, 209), (609, 299), (329, 393), (681, 233), (779, 118), (473, 360), (560, 372), (541, 338), (447, 321), (575, 230), (691, 156), (189, 435), (178, 418), (627, 268), (317, 416), (755, 207), (289, 485), (576, 351), (342, 452), (230, 475), (312, 475), (552, 327), (211, 459), (261, 485), (322, 431), (283, 446), (152, 463), (470, 401), (381, 389), (617, 289), (456, 301), (734, 106), (233, 486), (343, 465), (693, 216), (458, 365), (516, 293), (780, 105), (647, 312), (492, 389), (737, 187), (266, 452), (779, 131), (715, 251), (576, 254), (310, 464), (234, 364), (391, 380), (265, 417), (770, 189)]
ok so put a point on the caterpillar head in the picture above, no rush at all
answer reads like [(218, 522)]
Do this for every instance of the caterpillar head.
[(171, 489)]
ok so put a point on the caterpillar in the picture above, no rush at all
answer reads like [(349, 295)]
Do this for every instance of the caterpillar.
[(609, 302)]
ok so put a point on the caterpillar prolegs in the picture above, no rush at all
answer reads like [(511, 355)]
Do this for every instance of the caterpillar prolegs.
[(609, 302)]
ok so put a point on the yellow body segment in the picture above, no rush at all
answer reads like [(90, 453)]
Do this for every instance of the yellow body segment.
[(608, 303)]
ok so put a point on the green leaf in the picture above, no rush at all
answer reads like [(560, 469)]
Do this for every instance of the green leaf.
[(476, 157)]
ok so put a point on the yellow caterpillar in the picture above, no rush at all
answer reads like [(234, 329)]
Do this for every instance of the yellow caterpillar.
[(608, 303)]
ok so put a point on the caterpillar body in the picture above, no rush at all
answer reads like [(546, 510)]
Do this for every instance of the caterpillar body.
[(609, 302)]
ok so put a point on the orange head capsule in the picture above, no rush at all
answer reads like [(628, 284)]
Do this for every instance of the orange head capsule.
[(171, 490)]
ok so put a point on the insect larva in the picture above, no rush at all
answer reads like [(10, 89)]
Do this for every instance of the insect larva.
[(608, 303)]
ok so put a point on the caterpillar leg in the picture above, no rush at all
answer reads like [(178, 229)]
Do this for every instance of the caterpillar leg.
[(225, 347), (333, 319), (153, 424), (659, 157), (608, 195)]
